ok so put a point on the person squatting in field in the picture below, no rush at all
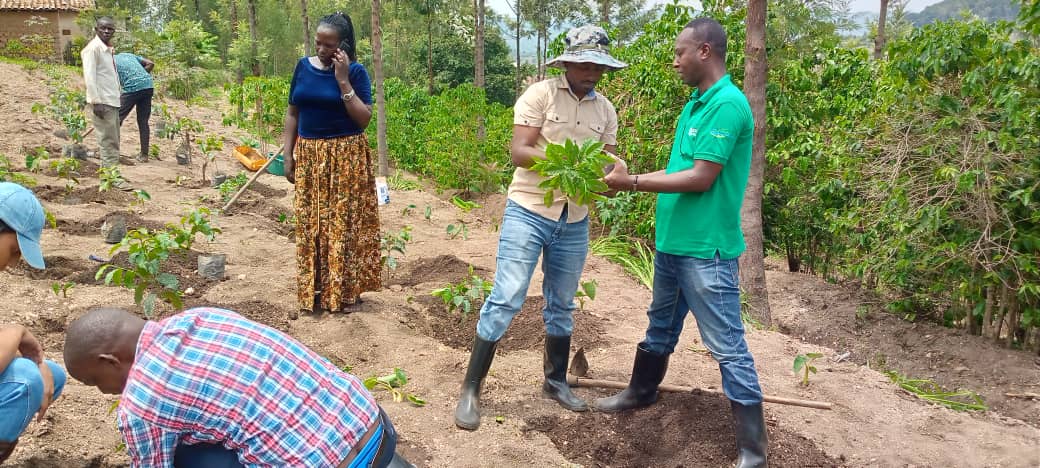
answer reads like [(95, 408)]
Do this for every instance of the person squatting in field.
[(209, 388)]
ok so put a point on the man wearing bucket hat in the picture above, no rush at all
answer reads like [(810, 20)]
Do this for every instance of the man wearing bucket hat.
[(551, 111), (28, 383), (699, 239)]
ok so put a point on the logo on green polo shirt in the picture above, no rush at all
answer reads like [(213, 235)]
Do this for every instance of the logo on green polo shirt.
[(721, 133), (692, 132)]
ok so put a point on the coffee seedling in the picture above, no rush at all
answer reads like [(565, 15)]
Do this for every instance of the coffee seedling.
[(391, 383), (587, 291), (803, 362)]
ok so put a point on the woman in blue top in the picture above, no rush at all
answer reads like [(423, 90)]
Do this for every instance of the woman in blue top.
[(328, 158)]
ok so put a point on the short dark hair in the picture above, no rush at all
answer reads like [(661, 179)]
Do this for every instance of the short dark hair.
[(710, 31), (104, 18), (4, 227), (344, 27)]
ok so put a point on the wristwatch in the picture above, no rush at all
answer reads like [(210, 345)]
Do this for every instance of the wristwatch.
[(348, 96)]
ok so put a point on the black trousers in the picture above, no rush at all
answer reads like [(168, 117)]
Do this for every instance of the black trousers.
[(143, 101)]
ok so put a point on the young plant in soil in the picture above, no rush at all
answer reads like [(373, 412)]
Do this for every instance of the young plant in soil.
[(408, 209), (109, 177), (209, 148), (587, 291), (36, 159), (455, 230), (390, 244), (391, 383), (231, 185), (147, 252), (62, 288), (7, 174), (462, 296), (428, 213), (66, 169), (803, 362), (577, 171)]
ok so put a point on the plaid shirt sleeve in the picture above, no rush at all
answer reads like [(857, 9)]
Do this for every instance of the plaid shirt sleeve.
[(148, 445)]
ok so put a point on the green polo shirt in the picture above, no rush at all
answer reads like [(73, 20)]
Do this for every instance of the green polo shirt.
[(714, 126)]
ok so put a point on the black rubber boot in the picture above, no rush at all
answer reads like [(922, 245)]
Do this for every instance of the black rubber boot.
[(647, 372), (752, 442), (557, 352), (467, 413)]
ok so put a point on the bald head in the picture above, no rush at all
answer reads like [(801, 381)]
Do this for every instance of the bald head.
[(709, 31), (100, 347)]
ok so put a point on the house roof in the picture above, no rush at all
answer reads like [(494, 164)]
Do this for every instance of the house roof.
[(46, 5)]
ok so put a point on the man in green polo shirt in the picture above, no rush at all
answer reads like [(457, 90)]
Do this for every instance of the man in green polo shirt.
[(699, 238)]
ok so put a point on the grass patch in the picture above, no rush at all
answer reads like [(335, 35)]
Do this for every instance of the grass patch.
[(634, 257)]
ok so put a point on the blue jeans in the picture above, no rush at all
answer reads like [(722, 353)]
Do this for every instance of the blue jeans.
[(526, 236), (21, 392), (711, 289)]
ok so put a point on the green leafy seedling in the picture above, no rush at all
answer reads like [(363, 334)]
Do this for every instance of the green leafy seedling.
[(462, 296), (587, 291), (575, 170), (109, 177), (407, 210), (391, 383), (391, 244), (455, 230), (803, 362), (62, 288), (428, 213)]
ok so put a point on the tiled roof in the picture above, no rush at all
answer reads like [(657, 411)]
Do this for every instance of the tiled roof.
[(46, 5)]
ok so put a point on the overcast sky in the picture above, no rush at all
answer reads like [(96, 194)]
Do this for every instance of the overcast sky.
[(502, 6)]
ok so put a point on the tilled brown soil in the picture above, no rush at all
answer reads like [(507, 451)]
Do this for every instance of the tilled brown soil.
[(680, 430)]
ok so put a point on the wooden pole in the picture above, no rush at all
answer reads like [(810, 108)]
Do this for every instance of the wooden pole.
[(251, 180), (583, 382)]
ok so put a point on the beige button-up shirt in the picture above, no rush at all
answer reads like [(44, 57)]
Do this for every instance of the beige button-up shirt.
[(99, 73), (552, 106)]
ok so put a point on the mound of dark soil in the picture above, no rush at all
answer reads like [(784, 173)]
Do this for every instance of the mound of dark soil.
[(680, 430)]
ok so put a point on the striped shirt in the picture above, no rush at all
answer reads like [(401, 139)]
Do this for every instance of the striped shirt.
[(210, 376)]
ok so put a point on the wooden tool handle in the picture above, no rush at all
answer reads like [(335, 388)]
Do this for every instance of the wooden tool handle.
[(251, 179), (583, 382)]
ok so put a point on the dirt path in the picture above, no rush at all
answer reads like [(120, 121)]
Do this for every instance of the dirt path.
[(873, 424)]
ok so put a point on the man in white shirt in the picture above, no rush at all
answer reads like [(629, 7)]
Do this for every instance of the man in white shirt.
[(99, 74)]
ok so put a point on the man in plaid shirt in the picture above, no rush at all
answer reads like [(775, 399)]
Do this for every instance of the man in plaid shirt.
[(207, 387)]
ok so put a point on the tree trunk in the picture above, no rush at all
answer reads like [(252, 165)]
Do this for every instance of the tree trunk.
[(253, 37), (306, 29), (879, 41), (1002, 312), (987, 314), (429, 47), (1013, 318), (377, 64), (604, 12), (478, 61), (519, 76), (752, 263), (239, 75)]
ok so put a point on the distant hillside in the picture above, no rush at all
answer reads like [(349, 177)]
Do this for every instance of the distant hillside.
[(990, 10)]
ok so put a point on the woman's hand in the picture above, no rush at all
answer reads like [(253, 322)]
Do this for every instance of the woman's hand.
[(289, 165), (342, 64)]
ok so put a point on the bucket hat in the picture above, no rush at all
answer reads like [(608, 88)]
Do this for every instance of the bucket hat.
[(23, 213), (587, 44)]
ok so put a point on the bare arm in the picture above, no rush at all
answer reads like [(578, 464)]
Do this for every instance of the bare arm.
[(523, 147), (147, 64), (697, 179), (289, 135), (358, 111)]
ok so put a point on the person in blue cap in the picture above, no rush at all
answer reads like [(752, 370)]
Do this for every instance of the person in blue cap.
[(28, 382)]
